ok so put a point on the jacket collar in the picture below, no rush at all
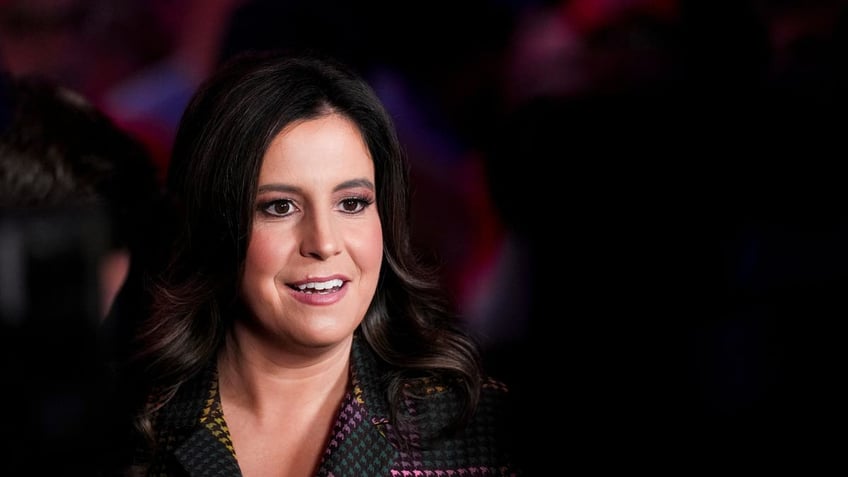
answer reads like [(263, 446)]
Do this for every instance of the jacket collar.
[(199, 440)]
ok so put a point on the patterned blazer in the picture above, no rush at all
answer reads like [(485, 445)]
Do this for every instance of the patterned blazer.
[(193, 434)]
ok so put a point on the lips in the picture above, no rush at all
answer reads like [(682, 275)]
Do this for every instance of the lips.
[(320, 287), (321, 291)]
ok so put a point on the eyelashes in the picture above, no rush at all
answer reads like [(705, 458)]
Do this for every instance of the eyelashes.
[(353, 205), (277, 207), (285, 207)]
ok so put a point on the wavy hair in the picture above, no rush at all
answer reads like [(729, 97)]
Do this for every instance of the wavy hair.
[(212, 180)]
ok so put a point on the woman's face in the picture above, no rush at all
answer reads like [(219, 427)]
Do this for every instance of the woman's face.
[(317, 245)]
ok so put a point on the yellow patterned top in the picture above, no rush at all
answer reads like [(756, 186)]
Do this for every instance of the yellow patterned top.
[(213, 417)]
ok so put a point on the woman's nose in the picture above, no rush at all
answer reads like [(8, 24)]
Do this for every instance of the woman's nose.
[(320, 238)]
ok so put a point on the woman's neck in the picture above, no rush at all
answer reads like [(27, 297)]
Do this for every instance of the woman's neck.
[(280, 402), (257, 376)]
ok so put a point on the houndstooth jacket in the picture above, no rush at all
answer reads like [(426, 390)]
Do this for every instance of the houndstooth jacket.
[(193, 435)]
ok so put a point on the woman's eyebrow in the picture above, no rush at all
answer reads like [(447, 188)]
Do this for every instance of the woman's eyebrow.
[(349, 184), (277, 187), (353, 183)]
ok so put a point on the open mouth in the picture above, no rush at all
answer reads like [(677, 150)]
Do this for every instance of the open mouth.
[(321, 288)]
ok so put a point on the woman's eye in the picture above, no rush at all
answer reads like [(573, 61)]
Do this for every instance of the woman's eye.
[(278, 207), (352, 206)]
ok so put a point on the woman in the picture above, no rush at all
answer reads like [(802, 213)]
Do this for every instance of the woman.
[(293, 332)]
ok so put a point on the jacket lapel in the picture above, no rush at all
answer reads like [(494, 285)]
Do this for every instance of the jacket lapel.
[(202, 455), (360, 442)]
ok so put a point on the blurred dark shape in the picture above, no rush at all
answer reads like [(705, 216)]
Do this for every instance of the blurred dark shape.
[(51, 355), (50, 261), (78, 204), (59, 150)]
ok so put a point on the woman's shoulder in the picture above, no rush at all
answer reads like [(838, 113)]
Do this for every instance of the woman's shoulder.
[(441, 388), (435, 385), (483, 440)]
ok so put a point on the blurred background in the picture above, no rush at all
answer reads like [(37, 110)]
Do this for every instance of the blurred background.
[(637, 205)]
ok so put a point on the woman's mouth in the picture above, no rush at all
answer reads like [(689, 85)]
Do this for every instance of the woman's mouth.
[(328, 286)]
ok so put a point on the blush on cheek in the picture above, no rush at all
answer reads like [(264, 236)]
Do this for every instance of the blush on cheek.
[(267, 248), (372, 246)]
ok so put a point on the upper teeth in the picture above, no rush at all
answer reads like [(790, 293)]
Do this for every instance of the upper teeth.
[(335, 283)]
